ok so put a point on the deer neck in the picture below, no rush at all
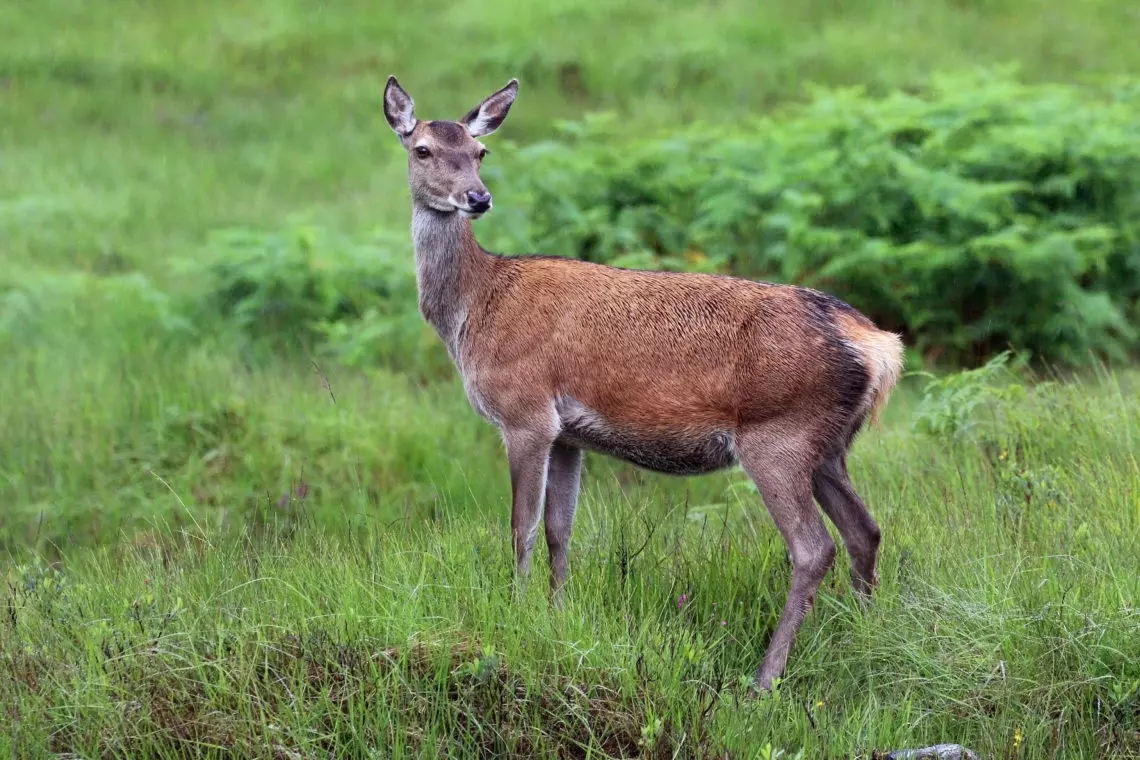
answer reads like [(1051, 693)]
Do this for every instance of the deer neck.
[(450, 267)]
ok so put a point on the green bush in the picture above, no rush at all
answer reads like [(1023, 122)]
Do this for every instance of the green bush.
[(980, 215), (78, 309), (312, 291), (283, 286)]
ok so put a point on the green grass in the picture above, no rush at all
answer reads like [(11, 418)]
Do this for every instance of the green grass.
[(209, 551), (131, 131), (1007, 608)]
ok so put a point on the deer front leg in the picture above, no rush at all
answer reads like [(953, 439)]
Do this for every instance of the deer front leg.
[(564, 475), (528, 454)]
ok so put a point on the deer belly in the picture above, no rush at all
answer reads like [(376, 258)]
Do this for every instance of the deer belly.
[(676, 452)]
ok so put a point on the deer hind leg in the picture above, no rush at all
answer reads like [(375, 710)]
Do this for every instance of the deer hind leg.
[(782, 468), (834, 492), (562, 480)]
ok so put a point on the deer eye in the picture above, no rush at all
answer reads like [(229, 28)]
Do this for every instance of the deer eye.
[(483, 153), (422, 151)]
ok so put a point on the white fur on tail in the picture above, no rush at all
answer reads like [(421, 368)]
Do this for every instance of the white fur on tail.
[(882, 354)]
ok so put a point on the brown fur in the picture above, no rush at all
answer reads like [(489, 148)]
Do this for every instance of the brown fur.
[(682, 373), (656, 352)]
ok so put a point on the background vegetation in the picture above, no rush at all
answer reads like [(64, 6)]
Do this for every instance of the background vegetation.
[(246, 510)]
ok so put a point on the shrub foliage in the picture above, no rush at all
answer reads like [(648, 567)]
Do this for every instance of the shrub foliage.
[(311, 290), (979, 215)]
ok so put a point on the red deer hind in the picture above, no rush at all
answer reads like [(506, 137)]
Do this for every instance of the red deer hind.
[(675, 372)]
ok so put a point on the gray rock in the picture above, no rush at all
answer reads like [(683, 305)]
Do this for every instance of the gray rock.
[(937, 752)]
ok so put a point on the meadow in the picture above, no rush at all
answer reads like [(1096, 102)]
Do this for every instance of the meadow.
[(246, 511)]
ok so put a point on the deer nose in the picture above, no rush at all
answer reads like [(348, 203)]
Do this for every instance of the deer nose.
[(479, 200)]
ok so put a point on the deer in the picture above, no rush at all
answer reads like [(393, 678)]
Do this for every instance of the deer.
[(679, 373)]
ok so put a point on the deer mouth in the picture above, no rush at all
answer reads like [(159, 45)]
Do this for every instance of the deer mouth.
[(472, 205)]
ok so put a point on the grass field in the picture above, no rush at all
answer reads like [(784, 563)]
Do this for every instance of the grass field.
[(1006, 619), (217, 551)]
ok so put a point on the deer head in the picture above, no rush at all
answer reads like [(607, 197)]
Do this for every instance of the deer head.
[(444, 156)]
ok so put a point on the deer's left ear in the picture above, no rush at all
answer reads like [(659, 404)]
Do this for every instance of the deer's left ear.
[(486, 117)]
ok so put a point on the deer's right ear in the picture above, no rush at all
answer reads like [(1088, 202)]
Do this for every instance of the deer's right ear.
[(399, 109)]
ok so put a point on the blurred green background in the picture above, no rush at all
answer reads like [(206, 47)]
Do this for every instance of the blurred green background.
[(133, 129), (201, 202)]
